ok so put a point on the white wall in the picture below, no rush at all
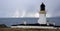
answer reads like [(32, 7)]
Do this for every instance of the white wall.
[(42, 19)]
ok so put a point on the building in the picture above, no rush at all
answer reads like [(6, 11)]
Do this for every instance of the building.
[(42, 15), (42, 22)]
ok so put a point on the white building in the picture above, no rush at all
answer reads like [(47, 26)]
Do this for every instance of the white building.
[(42, 22), (42, 15)]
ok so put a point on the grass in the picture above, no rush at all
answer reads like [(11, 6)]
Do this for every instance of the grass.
[(27, 29)]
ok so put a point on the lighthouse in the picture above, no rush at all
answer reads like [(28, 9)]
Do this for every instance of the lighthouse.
[(42, 15)]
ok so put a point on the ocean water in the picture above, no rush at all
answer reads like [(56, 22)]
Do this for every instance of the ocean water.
[(11, 21)]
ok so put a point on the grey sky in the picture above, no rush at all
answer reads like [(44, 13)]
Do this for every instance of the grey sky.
[(28, 8)]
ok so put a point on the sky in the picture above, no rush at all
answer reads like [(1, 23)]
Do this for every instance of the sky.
[(28, 8)]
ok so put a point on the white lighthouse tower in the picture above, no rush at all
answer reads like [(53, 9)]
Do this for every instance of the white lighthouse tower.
[(42, 15)]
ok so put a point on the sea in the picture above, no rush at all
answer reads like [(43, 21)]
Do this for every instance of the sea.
[(29, 20)]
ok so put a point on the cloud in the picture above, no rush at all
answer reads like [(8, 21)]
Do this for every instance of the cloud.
[(28, 8), (51, 7)]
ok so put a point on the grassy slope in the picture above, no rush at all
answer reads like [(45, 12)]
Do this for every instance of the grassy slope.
[(20, 29)]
